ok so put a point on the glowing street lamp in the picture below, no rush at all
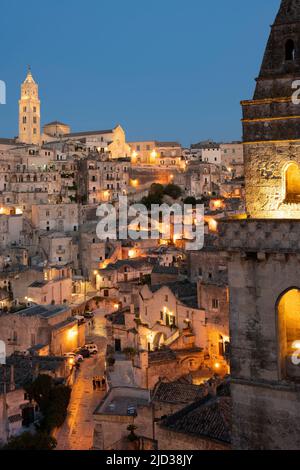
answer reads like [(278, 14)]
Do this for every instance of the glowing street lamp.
[(131, 253), (72, 333), (134, 183)]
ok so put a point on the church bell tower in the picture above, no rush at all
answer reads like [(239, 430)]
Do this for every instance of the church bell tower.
[(29, 112), (264, 253), (271, 123)]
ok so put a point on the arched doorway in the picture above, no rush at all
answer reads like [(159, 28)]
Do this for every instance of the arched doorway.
[(288, 331)]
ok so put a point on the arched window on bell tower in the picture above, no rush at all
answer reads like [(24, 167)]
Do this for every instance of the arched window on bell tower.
[(289, 50), (289, 333), (292, 183)]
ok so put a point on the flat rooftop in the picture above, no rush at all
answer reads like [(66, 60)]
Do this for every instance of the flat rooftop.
[(119, 405), (123, 401)]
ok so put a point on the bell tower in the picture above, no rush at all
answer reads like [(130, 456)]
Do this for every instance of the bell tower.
[(29, 111), (264, 253), (271, 123)]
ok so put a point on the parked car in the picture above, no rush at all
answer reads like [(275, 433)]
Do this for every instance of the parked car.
[(92, 348), (70, 354), (84, 352)]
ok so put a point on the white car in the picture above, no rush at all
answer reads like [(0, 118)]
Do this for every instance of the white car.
[(69, 354), (92, 348)]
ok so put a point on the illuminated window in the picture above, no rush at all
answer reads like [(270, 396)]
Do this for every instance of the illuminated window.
[(292, 178)]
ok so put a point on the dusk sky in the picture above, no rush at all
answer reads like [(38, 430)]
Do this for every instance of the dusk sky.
[(163, 69)]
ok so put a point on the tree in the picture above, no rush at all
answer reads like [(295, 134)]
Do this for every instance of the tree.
[(40, 391), (56, 412), (156, 190), (190, 200), (28, 441), (148, 201), (173, 191), (53, 401)]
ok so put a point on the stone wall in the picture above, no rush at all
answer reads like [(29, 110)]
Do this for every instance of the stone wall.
[(264, 263), (265, 418)]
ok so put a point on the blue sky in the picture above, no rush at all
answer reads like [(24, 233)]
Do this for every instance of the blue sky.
[(163, 69)]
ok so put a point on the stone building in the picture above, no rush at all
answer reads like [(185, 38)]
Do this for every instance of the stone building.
[(208, 151), (165, 311), (56, 129), (264, 253), (103, 180), (199, 179), (122, 407), (110, 141), (56, 287), (60, 217), (213, 298), (108, 280), (203, 425), (50, 326), (157, 154), (11, 227), (232, 158)]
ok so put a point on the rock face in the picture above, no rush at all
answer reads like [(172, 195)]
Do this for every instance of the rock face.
[(264, 253), (271, 121)]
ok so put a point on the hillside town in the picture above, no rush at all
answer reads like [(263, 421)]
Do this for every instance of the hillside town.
[(154, 346)]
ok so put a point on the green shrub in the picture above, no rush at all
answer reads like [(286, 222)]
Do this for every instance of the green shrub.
[(56, 412), (173, 191)]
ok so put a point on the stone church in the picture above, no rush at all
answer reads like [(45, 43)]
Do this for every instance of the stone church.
[(264, 253)]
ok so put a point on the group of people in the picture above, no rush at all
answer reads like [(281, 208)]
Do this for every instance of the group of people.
[(99, 383)]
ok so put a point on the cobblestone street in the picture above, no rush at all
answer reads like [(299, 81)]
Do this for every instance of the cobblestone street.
[(77, 431)]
